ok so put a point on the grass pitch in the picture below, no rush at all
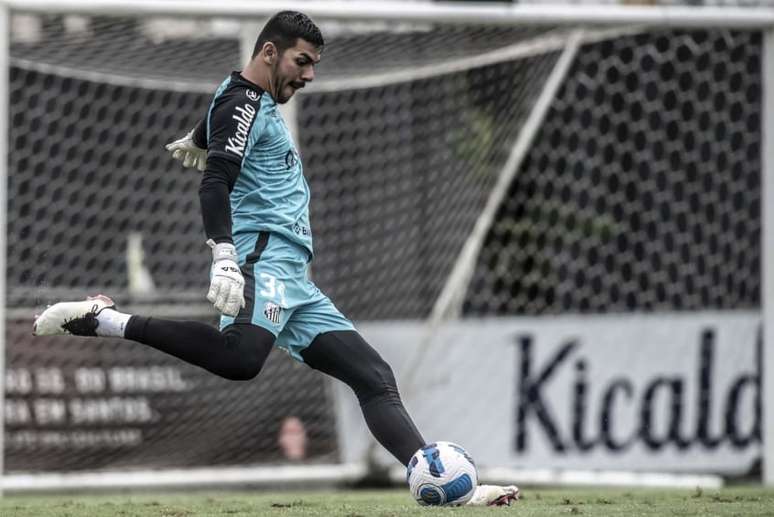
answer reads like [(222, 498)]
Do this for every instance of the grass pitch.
[(746, 502)]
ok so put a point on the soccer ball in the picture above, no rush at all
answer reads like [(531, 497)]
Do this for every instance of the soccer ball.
[(442, 473)]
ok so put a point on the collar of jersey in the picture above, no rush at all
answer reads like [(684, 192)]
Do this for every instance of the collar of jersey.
[(236, 75)]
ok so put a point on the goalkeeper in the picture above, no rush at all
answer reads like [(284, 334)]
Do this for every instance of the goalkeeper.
[(255, 207)]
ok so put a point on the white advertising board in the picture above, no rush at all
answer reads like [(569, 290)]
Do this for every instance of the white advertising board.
[(658, 392)]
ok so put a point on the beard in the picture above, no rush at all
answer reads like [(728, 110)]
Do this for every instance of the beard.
[(281, 98), (279, 86)]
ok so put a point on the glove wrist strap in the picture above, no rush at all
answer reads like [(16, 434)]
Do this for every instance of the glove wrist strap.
[(222, 251)]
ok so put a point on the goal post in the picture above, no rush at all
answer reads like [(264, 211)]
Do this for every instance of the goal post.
[(768, 252), (4, 96), (445, 146)]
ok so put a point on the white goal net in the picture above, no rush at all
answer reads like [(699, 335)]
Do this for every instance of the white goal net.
[(620, 165)]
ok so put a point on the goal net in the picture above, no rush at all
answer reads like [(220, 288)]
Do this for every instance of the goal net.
[(457, 169)]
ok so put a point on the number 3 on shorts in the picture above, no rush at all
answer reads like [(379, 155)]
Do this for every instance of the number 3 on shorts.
[(271, 288)]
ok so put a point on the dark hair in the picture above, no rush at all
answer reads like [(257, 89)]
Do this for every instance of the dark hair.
[(285, 27)]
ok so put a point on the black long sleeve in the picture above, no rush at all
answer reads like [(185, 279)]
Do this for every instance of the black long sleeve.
[(217, 182), (231, 119)]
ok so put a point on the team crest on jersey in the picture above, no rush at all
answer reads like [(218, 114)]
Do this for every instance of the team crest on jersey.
[(252, 95), (291, 159), (272, 312)]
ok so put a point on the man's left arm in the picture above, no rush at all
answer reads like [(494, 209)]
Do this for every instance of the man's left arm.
[(191, 150)]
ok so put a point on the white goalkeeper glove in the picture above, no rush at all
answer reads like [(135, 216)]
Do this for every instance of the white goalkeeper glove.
[(226, 281), (186, 151)]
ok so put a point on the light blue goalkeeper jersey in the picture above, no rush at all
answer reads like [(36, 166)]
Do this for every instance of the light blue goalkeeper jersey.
[(244, 125)]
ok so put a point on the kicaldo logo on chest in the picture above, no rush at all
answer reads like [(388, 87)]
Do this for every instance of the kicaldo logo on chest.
[(244, 117)]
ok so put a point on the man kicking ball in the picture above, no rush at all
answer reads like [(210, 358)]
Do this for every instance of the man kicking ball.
[(255, 207)]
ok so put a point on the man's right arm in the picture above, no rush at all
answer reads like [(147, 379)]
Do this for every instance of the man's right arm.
[(220, 174), (217, 183), (226, 290), (231, 121)]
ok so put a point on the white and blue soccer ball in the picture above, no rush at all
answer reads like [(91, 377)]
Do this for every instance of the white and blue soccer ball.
[(442, 473)]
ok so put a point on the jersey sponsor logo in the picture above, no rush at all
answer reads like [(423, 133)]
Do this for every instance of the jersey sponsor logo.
[(244, 119), (302, 230), (252, 95), (272, 312)]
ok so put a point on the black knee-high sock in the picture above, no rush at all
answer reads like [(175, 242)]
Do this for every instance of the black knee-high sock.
[(237, 353), (346, 356)]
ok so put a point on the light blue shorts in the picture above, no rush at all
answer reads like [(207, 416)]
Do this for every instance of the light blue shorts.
[(279, 295)]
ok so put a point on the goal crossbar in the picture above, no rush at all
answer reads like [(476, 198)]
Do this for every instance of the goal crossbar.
[(449, 13)]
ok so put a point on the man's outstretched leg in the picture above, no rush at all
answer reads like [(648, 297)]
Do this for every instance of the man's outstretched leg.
[(237, 353), (346, 356)]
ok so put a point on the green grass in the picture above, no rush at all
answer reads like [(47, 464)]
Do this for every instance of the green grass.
[(742, 502)]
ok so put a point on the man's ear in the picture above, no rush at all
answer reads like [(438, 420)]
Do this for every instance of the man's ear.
[(269, 52)]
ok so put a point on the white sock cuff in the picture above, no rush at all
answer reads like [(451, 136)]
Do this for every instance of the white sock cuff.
[(112, 323)]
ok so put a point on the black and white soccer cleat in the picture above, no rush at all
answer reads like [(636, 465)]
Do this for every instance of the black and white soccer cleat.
[(72, 318)]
